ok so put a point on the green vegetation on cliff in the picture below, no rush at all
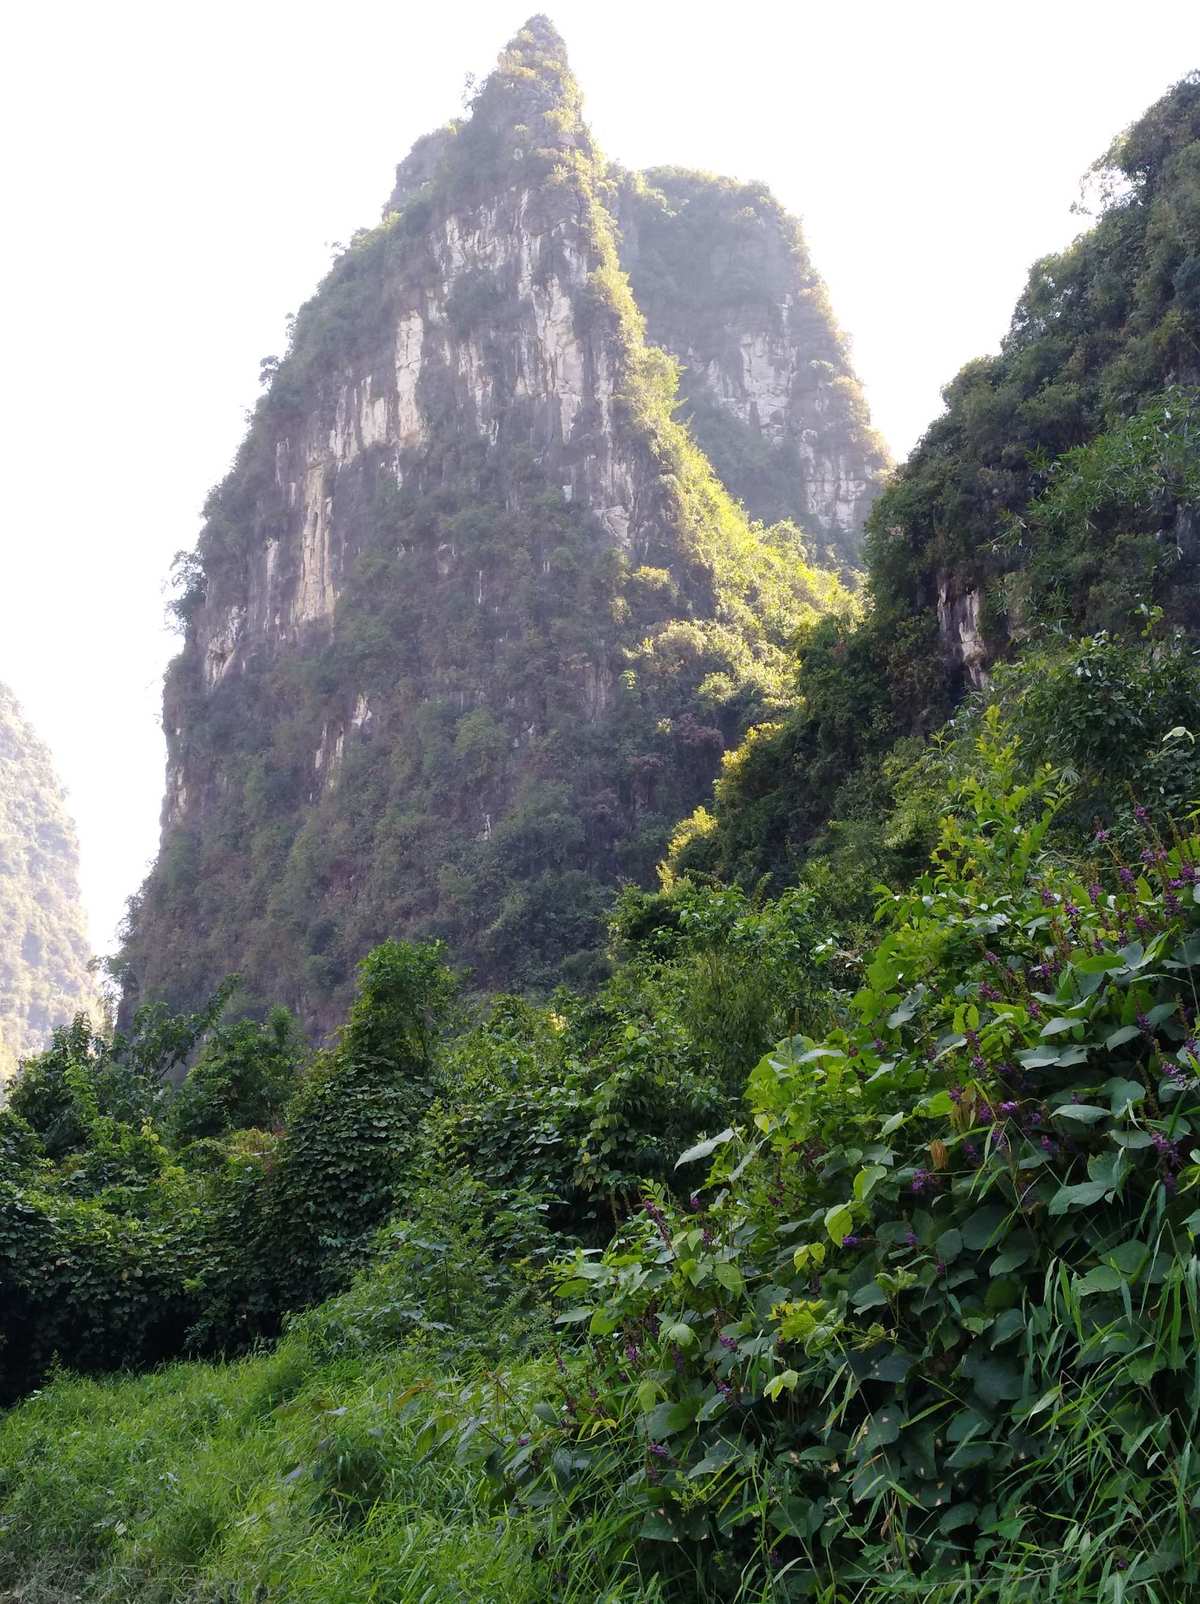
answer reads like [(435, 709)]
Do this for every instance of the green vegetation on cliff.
[(1059, 492)]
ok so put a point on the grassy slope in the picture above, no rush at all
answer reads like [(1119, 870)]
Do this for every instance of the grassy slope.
[(280, 1477)]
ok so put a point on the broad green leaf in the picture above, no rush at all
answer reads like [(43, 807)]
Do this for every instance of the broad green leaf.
[(720, 1454), (1010, 1259), (996, 1380), (1123, 1094), (839, 1222), (867, 1179), (910, 1005), (869, 1296), (1129, 1258), (1121, 1036), (1055, 1027), (985, 1227), (937, 1106), (956, 1516), (1099, 963), (785, 1381), (647, 1394), (1104, 1278), (729, 1276), (948, 1246), (1076, 1197), (703, 1149), (659, 1529), (668, 1418), (1081, 1113)]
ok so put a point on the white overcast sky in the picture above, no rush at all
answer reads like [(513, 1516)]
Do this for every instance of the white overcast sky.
[(173, 177)]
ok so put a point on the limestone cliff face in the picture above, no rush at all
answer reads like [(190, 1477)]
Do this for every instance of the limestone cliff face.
[(476, 327), (44, 952), (727, 285), (471, 620)]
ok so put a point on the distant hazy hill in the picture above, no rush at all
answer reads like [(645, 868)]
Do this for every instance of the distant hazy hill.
[(43, 948)]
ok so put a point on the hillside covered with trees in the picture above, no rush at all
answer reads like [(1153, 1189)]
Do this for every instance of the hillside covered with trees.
[(837, 1240)]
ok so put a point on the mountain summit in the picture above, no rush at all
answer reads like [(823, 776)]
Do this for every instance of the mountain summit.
[(473, 619)]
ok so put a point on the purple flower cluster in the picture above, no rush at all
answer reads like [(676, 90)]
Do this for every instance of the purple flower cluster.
[(659, 1218)]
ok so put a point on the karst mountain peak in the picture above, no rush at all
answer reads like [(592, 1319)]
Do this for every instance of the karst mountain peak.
[(557, 461)]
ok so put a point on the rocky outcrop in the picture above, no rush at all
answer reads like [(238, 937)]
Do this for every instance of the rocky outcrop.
[(44, 978), (960, 625)]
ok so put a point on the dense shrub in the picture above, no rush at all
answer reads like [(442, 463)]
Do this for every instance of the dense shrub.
[(137, 1218), (936, 1314)]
